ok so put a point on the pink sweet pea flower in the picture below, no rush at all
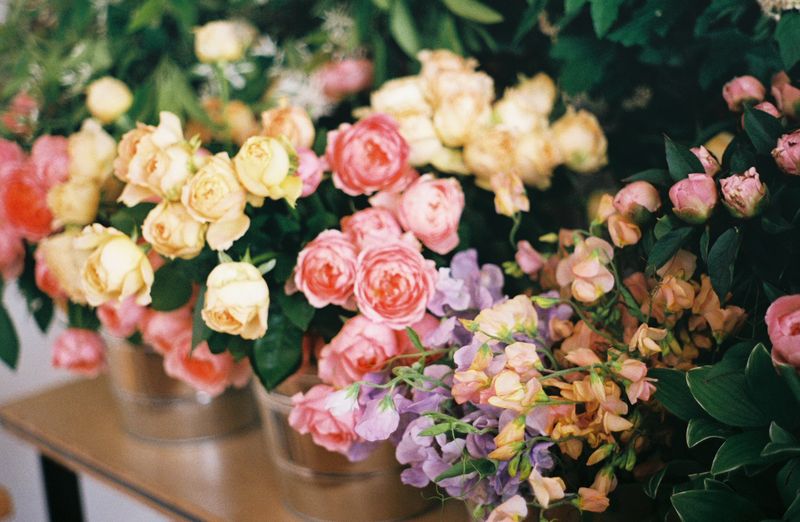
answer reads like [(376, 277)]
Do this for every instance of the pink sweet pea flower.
[(431, 209), (783, 325), (80, 351), (310, 415), (512, 510), (529, 260)]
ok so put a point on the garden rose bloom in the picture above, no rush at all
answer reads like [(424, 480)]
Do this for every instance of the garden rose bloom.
[(12, 254), (401, 96), (326, 270), (786, 95), (787, 153), (529, 260), (581, 140), (45, 278), (172, 231), (50, 158), (23, 203), (418, 131), (360, 347), (525, 107), (393, 284), (22, 113), (163, 330), (585, 270), (431, 209), (310, 168), (370, 226), (91, 153), (340, 78), (80, 351), (266, 167), (368, 156), (74, 202), (783, 325), (623, 230), (289, 121), (509, 194), (311, 416), (58, 267), (205, 371), (694, 198), (223, 40), (108, 98), (115, 269), (743, 89), (710, 164), (236, 300), (637, 200), (743, 194), (121, 319)]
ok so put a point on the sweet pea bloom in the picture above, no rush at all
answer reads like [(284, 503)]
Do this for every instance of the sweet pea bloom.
[(743, 89), (368, 156), (509, 194), (710, 163), (783, 325), (340, 78), (121, 319), (529, 260), (236, 300), (431, 209), (585, 270), (546, 489), (504, 319), (108, 98), (744, 194), (326, 270), (379, 420), (370, 226), (637, 200), (310, 415), (512, 510), (623, 230), (80, 351), (694, 198), (787, 153)]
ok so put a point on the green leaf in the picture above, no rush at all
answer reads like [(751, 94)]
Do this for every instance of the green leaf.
[(665, 224), (667, 246), (654, 176), (436, 429), (704, 242), (528, 20), (171, 288), (721, 261), (673, 393), (148, 13), (766, 387), (401, 25), (788, 36), (702, 506), (739, 450), (9, 341), (200, 332), (296, 308), (654, 482), (782, 443), (788, 481), (473, 10), (701, 429), (675, 469), (763, 129), (279, 353), (604, 14), (789, 374), (722, 391), (680, 160), (571, 6), (484, 467)]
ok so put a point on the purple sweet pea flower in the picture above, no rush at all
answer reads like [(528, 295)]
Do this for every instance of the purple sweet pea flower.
[(380, 419), (541, 457), (466, 286)]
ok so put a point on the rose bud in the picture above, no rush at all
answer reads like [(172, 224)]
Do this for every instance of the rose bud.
[(694, 198), (786, 95), (744, 195), (707, 160), (743, 89), (637, 200), (108, 98), (787, 153)]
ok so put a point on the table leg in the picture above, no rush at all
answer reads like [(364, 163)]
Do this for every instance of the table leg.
[(62, 491)]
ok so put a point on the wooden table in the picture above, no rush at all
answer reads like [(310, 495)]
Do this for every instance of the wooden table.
[(227, 479)]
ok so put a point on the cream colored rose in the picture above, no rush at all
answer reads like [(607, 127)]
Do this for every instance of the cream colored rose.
[(509, 194), (581, 141), (108, 98), (418, 131), (173, 232), (236, 300), (214, 195), (537, 156), (267, 168), (526, 106), (292, 122), (401, 96), (436, 62), (462, 105), (65, 262), (74, 202), (91, 153), (223, 40), (115, 269)]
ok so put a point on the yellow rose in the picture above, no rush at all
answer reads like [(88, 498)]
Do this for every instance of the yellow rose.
[(236, 300), (91, 153), (223, 40), (74, 202), (266, 167), (115, 269), (581, 141), (108, 98), (525, 107), (65, 262), (292, 122), (214, 195), (173, 232)]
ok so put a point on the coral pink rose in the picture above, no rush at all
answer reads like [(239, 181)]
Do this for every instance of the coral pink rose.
[(23, 203), (121, 319), (694, 198), (393, 284), (360, 347), (46, 280), (326, 270), (370, 226), (311, 416), (203, 370), (431, 210), (368, 156), (787, 153), (783, 325), (50, 159), (310, 169), (743, 89), (423, 328), (786, 95), (160, 330), (637, 200), (340, 78), (529, 260), (80, 351), (12, 253), (10, 155), (21, 115)]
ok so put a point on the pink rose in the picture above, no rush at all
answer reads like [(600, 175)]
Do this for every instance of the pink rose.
[(340, 78), (783, 325), (787, 153), (326, 270), (529, 260), (370, 226), (310, 415), (46, 280), (368, 156), (743, 194), (431, 210), (310, 169), (121, 319), (161, 330), (786, 95), (80, 351), (360, 347), (50, 159), (710, 164), (694, 198), (203, 370), (20, 118), (23, 202), (12, 254), (637, 200), (423, 328), (10, 154), (393, 284), (743, 89)]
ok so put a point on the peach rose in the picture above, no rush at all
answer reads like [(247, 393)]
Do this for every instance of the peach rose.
[(12, 253), (172, 231), (291, 122), (46, 279), (80, 351), (783, 325), (326, 270), (267, 167), (236, 300), (368, 156), (91, 153), (58, 267), (393, 284), (581, 140), (370, 226), (108, 98), (310, 415), (203, 370), (431, 209), (161, 330), (74, 202), (121, 319)]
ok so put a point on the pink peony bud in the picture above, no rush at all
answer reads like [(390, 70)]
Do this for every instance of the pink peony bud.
[(637, 200), (786, 95), (694, 198), (783, 325), (744, 194), (707, 160), (743, 89), (767, 107), (787, 153)]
